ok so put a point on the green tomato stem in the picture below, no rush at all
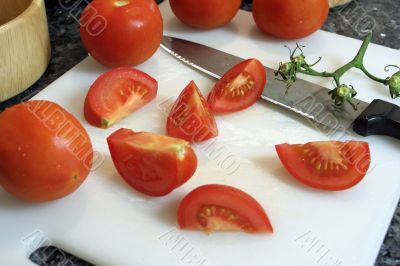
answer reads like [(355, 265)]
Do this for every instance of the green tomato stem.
[(365, 71), (308, 70), (359, 59), (357, 62)]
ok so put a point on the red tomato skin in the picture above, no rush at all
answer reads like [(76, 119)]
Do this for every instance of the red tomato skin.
[(224, 196), (290, 19), (168, 171), (45, 153), (254, 68), (205, 14), (298, 168), (131, 34), (99, 104), (191, 109)]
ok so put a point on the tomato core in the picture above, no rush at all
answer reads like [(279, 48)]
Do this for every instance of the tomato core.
[(217, 218), (239, 85), (325, 156)]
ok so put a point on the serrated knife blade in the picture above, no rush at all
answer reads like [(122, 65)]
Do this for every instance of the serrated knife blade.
[(305, 98)]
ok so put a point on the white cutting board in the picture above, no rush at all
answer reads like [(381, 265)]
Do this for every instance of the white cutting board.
[(108, 223)]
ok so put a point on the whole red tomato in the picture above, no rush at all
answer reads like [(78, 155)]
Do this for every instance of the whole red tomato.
[(121, 33), (205, 14), (290, 19), (45, 153)]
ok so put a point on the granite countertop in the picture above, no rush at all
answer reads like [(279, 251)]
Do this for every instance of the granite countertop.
[(353, 20)]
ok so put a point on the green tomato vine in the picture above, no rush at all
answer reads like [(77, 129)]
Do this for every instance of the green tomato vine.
[(342, 92)]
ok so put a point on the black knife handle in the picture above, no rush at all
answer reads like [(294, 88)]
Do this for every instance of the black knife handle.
[(379, 118)]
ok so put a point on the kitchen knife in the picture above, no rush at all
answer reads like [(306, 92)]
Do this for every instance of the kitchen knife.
[(305, 98)]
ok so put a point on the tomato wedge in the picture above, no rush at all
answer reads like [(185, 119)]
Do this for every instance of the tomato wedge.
[(327, 165), (239, 88), (190, 117), (222, 208), (151, 164), (117, 93)]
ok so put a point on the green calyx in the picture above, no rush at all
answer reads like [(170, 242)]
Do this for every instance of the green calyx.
[(393, 82), (285, 71), (342, 93), (394, 85), (299, 60)]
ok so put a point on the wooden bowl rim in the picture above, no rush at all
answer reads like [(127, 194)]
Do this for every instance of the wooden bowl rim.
[(17, 19)]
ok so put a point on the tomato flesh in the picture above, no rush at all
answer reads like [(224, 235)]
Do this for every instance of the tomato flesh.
[(205, 14), (151, 164), (45, 153), (190, 117), (239, 88), (222, 208), (327, 165), (116, 94)]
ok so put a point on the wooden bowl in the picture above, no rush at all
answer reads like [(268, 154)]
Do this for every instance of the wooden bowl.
[(24, 45), (335, 3)]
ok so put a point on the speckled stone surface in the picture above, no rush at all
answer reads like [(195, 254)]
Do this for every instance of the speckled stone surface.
[(353, 20)]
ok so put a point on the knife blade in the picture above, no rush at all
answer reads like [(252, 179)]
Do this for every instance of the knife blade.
[(305, 98)]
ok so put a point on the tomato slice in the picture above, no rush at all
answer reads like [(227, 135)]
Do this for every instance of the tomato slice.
[(190, 117), (222, 208), (239, 88), (152, 164), (327, 165), (117, 93)]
